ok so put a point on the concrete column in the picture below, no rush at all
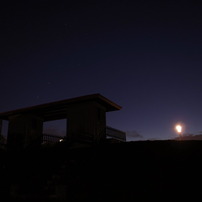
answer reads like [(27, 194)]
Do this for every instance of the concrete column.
[(24, 131), (86, 122)]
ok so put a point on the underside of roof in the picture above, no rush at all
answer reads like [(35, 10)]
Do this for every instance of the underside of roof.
[(58, 110)]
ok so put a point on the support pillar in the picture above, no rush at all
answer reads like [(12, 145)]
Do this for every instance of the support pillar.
[(86, 122), (24, 131)]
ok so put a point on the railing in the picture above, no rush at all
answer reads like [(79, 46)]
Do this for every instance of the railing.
[(115, 134), (52, 139)]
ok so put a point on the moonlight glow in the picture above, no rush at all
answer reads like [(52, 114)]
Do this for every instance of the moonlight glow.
[(178, 128)]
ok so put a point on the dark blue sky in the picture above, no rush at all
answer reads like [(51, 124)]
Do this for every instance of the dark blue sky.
[(145, 56)]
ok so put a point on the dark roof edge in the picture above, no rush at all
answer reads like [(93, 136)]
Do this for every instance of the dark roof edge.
[(111, 106)]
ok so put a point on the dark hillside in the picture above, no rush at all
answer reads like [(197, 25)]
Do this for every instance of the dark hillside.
[(131, 171)]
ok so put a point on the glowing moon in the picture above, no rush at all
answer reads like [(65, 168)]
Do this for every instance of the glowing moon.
[(178, 128)]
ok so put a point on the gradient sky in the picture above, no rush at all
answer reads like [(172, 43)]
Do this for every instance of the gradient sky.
[(145, 56)]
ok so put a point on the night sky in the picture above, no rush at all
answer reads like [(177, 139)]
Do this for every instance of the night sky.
[(145, 56)]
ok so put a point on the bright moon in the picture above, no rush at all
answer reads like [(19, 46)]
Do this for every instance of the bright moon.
[(179, 128)]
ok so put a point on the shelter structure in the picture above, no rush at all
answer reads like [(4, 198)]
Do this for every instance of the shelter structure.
[(85, 115)]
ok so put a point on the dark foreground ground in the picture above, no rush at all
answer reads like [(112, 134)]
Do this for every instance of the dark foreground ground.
[(131, 171)]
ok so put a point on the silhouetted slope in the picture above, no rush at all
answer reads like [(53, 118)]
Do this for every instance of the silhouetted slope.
[(189, 137), (130, 171)]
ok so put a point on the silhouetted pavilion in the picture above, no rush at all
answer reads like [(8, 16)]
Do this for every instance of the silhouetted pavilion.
[(85, 115)]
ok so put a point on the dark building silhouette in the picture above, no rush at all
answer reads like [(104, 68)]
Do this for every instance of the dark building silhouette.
[(85, 115)]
